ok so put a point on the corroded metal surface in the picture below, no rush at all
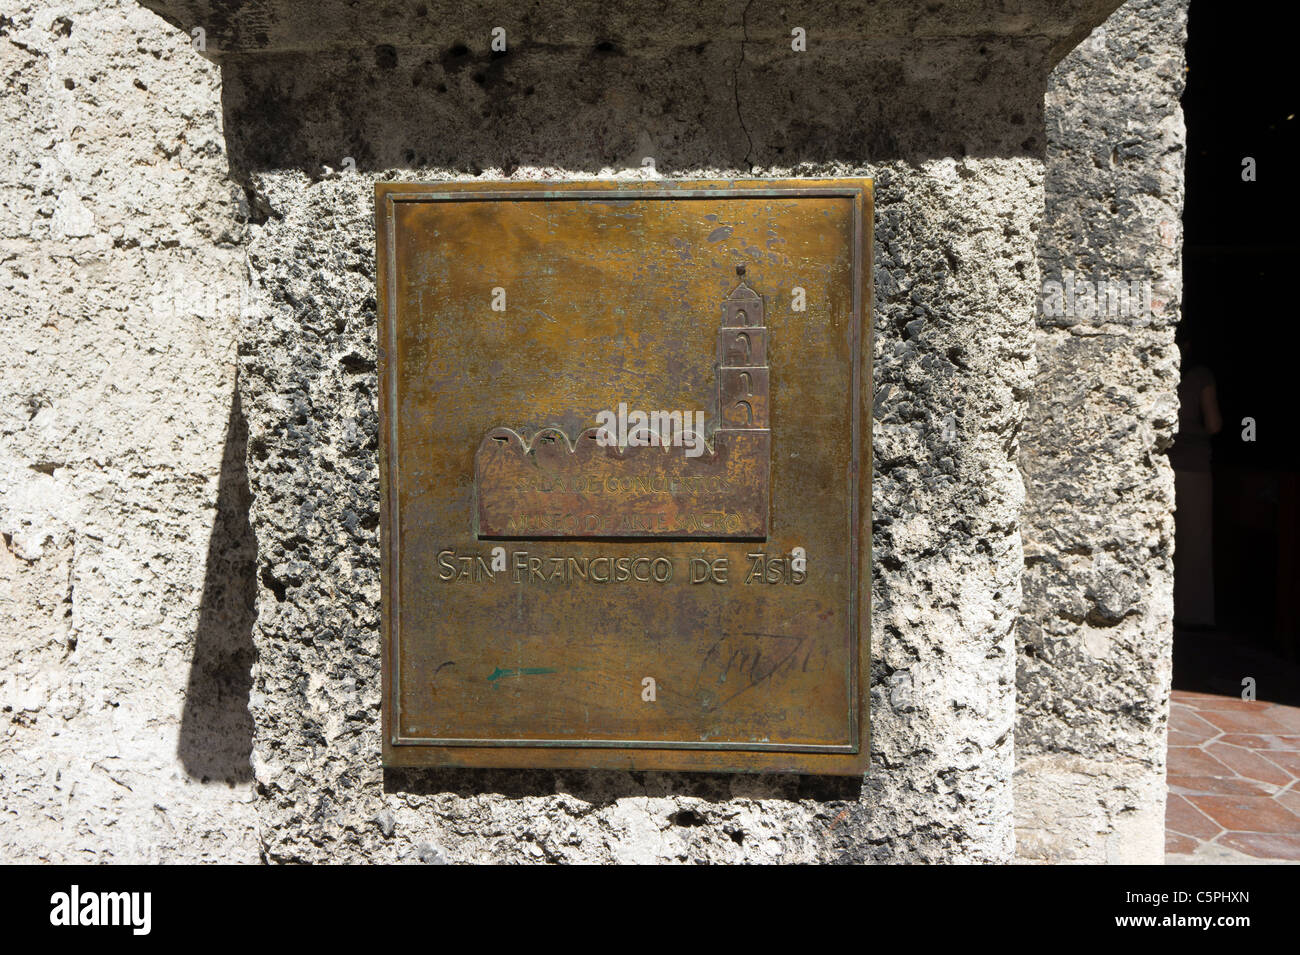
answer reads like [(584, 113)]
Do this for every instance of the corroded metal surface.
[(554, 488), (625, 492), (662, 476)]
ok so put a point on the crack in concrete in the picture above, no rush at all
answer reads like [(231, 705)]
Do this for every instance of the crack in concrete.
[(735, 82)]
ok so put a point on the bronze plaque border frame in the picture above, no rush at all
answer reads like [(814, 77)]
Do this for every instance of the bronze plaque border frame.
[(671, 755)]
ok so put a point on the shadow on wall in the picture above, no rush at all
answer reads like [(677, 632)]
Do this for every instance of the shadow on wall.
[(216, 738), (603, 787), (688, 107), (699, 106)]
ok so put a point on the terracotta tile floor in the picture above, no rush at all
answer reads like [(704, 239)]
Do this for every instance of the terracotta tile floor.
[(1234, 778)]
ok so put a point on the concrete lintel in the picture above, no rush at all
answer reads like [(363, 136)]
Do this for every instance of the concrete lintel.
[(284, 26)]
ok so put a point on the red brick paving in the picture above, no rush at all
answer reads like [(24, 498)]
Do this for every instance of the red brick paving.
[(1280, 743), (1188, 819), (1184, 719), (1290, 762), (1247, 813), (1217, 785), (1234, 776), (1249, 764), (1290, 799), (1264, 845), (1233, 721), (1195, 761)]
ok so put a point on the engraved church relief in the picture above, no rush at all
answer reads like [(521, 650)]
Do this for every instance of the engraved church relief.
[(551, 487)]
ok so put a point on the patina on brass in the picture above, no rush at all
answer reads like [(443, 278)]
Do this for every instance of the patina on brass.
[(658, 481), (561, 591)]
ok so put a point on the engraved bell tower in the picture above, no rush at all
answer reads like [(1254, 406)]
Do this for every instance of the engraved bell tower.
[(742, 360)]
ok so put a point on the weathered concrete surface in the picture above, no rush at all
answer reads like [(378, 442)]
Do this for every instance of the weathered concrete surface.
[(1095, 637), (956, 282), (130, 570), (283, 26), (123, 730)]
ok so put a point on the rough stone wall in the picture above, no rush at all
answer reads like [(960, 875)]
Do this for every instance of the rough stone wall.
[(131, 569), (1095, 639), (955, 278), (124, 614)]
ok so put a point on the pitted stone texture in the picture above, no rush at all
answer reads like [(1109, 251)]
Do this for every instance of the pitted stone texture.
[(955, 260), (957, 274), (122, 453), (264, 26), (120, 710), (1095, 638), (1065, 816), (724, 104)]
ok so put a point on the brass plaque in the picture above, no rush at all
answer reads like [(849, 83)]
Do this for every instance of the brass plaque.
[(625, 470)]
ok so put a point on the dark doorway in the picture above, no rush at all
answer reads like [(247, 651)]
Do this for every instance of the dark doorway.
[(1239, 323)]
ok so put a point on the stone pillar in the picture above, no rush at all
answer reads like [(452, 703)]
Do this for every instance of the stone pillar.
[(944, 111), (125, 602), (149, 506), (1094, 639)]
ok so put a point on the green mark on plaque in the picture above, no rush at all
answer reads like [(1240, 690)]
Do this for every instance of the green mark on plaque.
[(501, 674)]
